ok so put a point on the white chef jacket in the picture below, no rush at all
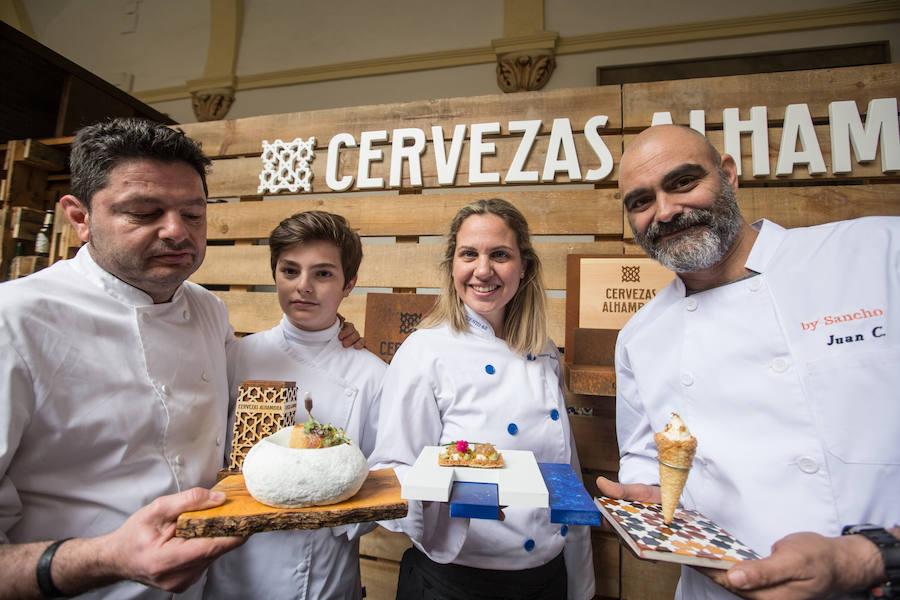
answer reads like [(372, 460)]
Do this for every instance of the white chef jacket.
[(443, 386), (345, 387), (789, 381), (107, 401)]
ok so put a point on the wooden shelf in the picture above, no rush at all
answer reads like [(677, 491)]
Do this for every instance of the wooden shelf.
[(591, 380)]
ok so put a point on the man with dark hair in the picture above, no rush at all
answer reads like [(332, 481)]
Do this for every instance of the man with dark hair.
[(101, 147), (113, 383), (779, 349), (113, 390)]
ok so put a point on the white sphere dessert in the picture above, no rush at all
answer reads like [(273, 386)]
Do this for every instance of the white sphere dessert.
[(277, 475)]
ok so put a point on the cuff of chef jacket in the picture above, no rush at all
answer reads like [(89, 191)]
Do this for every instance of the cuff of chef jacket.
[(442, 536), (638, 469), (354, 531)]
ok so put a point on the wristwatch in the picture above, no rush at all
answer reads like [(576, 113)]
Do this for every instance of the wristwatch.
[(889, 546)]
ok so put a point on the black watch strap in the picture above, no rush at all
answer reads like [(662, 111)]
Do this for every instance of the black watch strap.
[(889, 547), (44, 579)]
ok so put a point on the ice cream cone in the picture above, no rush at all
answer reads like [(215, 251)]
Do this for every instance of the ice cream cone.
[(675, 458)]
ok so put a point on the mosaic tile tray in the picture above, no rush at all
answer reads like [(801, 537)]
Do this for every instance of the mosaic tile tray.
[(690, 538)]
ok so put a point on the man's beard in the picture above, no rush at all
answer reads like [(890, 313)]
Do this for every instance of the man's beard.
[(693, 251)]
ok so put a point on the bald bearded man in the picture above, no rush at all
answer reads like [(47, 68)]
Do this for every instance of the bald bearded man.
[(779, 348)]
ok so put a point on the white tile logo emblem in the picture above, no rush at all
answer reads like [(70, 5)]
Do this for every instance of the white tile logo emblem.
[(286, 166)]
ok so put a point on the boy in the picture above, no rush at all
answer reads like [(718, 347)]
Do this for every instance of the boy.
[(315, 257)]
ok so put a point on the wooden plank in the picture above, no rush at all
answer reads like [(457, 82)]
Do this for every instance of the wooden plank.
[(606, 563), (593, 346), (592, 380), (42, 156), (26, 222), (231, 177), (379, 577), (377, 499), (382, 543), (586, 211), (801, 206), (26, 265), (599, 404), (774, 90), (644, 579), (391, 318), (244, 136), (256, 311), (383, 265), (26, 186), (595, 439)]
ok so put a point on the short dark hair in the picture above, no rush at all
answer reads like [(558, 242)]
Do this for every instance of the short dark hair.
[(100, 147), (318, 225)]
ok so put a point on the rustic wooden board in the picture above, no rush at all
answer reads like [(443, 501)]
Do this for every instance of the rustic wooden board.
[(256, 311), (595, 439), (378, 499), (774, 90), (250, 312), (244, 136), (548, 211), (382, 543), (391, 318), (378, 576), (26, 265), (594, 380), (383, 265), (643, 579), (232, 177), (606, 563)]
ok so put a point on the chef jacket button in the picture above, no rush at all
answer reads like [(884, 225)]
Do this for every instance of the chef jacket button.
[(512, 428), (489, 369), (690, 304), (186, 315), (807, 465), (301, 568), (204, 376), (164, 389), (348, 392), (687, 378), (779, 365), (218, 440), (145, 317), (564, 530), (755, 284), (529, 545), (179, 460), (554, 414), (529, 356)]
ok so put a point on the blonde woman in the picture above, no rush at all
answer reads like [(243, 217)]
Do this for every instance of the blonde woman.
[(482, 369)]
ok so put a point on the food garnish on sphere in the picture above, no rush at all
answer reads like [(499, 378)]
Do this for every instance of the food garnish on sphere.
[(279, 475)]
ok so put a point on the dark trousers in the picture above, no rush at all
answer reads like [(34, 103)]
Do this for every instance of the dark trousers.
[(423, 579)]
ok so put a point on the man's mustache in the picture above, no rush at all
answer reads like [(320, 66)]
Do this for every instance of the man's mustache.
[(167, 246), (682, 221)]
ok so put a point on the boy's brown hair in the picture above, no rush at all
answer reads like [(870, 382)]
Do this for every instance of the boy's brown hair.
[(315, 225)]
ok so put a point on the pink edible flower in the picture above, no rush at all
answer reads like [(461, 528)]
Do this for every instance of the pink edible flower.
[(462, 446)]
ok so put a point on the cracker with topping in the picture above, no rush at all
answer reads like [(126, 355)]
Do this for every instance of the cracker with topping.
[(463, 454)]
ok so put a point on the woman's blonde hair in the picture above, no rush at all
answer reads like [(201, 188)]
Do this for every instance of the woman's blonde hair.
[(525, 319)]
